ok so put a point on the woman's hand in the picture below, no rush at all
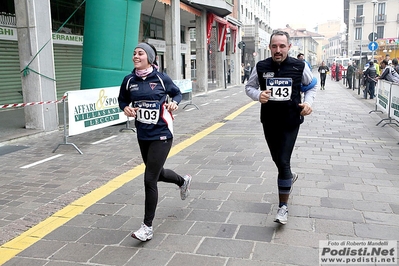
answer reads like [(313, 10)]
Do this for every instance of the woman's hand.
[(172, 106), (130, 111)]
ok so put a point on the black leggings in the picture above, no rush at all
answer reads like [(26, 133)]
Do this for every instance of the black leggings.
[(281, 143), (154, 153), (323, 80)]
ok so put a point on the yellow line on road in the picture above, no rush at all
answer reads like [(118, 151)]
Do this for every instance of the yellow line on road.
[(37, 232), (239, 111)]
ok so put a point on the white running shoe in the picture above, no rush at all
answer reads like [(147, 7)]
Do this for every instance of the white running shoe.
[(282, 215), (185, 188), (294, 178), (144, 233)]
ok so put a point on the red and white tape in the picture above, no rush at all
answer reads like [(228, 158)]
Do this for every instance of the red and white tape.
[(33, 103)]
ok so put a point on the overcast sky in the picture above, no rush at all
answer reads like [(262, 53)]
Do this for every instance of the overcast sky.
[(304, 13)]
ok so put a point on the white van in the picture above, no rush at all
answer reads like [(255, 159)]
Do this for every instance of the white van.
[(343, 61)]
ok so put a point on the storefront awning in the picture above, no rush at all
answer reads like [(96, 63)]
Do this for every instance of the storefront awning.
[(222, 31)]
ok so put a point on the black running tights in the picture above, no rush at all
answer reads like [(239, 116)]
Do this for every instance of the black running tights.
[(281, 143), (154, 155)]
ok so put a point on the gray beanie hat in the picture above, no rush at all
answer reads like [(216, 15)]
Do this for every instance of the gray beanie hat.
[(149, 51)]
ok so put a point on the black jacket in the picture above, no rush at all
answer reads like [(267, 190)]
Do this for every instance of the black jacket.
[(284, 114)]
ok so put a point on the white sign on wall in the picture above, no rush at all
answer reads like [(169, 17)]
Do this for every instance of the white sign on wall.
[(8, 33)]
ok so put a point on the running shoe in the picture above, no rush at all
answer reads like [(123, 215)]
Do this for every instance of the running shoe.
[(144, 233), (185, 188), (294, 178), (282, 215)]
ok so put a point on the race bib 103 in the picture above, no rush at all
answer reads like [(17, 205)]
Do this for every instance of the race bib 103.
[(148, 112)]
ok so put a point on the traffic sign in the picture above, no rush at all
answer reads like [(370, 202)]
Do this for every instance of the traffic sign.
[(373, 46), (241, 45), (371, 39)]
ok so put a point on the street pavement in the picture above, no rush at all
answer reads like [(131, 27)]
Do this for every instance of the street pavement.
[(65, 208)]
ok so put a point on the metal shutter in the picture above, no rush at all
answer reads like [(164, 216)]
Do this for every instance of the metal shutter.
[(10, 76), (68, 67)]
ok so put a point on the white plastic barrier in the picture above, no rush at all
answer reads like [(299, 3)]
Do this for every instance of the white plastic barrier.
[(394, 107), (387, 101)]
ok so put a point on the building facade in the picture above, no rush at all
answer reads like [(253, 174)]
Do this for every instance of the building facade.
[(205, 40), (363, 18)]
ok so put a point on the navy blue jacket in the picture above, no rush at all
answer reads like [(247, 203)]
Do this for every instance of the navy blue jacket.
[(135, 90)]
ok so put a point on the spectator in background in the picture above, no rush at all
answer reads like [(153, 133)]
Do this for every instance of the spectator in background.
[(349, 74), (377, 67), (338, 71), (395, 65), (333, 71), (370, 76), (389, 72)]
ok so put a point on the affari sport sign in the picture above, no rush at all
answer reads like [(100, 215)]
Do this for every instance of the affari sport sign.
[(93, 109), (347, 252)]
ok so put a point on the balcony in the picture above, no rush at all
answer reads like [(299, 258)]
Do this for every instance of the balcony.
[(381, 19), (7, 19)]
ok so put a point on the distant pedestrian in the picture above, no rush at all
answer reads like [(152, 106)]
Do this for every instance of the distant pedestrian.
[(350, 71), (247, 72), (323, 70), (279, 79), (144, 95), (242, 73)]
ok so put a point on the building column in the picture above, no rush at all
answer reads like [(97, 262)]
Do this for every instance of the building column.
[(34, 33), (173, 40), (257, 41), (235, 60), (221, 67), (201, 54), (110, 36), (187, 63)]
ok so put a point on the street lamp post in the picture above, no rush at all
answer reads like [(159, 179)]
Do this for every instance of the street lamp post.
[(361, 37), (374, 3)]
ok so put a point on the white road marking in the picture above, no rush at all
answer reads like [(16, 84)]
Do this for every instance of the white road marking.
[(102, 140), (42, 161)]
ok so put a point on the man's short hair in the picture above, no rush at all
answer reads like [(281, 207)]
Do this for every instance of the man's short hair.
[(281, 33), (385, 62)]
